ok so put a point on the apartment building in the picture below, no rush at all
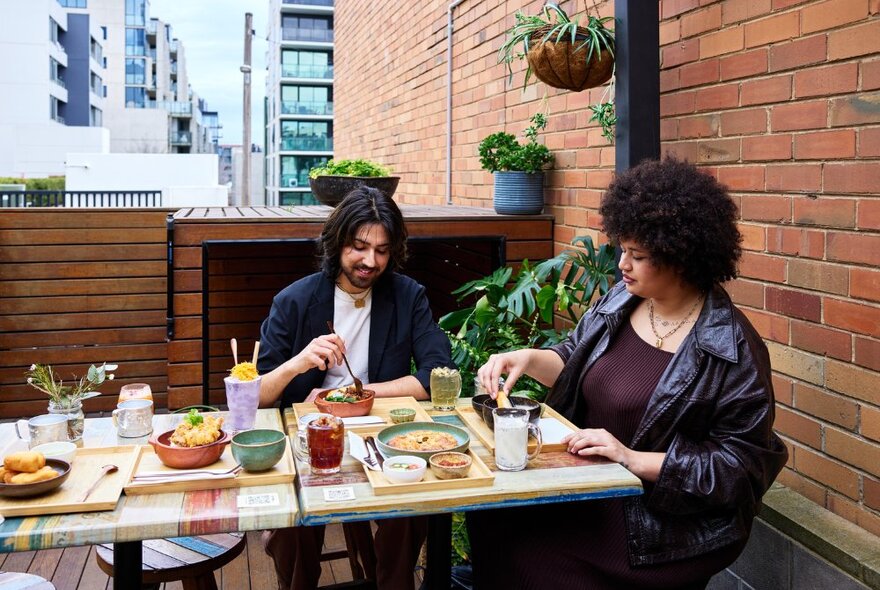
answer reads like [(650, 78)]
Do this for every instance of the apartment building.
[(150, 106), (299, 97), (51, 87)]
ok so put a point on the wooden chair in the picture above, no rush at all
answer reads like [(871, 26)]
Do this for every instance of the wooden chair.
[(190, 560)]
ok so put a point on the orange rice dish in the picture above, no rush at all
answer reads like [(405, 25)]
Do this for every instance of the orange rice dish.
[(423, 440)]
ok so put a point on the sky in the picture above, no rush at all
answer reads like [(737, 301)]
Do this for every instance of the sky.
[(212, 32)]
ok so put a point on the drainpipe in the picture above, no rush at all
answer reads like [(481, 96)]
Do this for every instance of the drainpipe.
[(449, 29)]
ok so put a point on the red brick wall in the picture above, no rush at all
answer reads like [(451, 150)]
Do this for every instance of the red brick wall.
[(780, 99)]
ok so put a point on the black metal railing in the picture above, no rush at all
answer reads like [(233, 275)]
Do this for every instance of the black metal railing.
[(80, 198)]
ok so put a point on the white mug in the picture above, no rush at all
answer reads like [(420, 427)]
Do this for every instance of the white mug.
[(134, 418), (43, 429)]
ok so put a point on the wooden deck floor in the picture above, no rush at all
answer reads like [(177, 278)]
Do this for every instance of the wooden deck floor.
[(75, 568)]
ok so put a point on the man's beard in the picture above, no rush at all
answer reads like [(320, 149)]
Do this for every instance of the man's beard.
[(360, 282)]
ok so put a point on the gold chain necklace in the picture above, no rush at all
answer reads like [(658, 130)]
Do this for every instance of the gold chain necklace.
[(359, 302), (660, 339)]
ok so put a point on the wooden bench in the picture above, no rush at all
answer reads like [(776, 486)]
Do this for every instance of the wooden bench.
[(191, 560)]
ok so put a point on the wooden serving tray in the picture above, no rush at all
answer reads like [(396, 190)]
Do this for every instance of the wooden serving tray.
[(382, 407), (482, 431), (479, 475), (283, 472), (84, 470)]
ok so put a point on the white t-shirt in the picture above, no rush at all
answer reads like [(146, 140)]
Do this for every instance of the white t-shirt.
[(352, 324)]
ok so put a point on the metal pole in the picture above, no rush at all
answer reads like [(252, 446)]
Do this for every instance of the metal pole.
[(246, 139)]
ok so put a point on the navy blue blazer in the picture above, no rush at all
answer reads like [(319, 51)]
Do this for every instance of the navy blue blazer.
[(401, 328)]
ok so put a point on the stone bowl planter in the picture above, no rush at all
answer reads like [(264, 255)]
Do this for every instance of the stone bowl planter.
[(330, 190)]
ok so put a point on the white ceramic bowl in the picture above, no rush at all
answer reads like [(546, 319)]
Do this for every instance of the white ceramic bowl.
[(414, 471), (59, 449)]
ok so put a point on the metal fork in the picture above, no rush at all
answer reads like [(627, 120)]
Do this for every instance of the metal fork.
[(369, 459), (182, 472)]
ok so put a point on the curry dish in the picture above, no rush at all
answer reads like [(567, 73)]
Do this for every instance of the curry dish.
[(424, 440)]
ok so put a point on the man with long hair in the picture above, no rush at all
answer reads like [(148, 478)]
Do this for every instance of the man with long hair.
[(382, 321)]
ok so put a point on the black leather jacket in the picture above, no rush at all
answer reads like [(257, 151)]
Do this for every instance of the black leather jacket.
[(711, 413)]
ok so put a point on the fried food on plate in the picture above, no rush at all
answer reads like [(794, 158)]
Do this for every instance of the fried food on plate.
[(40, 475), (197, 430), (27, 461), (8, 474)]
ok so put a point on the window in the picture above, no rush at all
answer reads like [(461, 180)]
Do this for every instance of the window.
[(54, 32), (96, 117), (135, 42), (135, 71), (104, 32), (295, 169), (307, 135), (74, 3), (307, 28), (135, 97), (55, 72), (306, 64), (306, 100), (135, 12)]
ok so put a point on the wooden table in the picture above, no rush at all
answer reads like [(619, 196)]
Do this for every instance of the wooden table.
[(151, 516), (551, 477)]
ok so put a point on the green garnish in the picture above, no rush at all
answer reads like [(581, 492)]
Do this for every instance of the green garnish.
[(194, 418)]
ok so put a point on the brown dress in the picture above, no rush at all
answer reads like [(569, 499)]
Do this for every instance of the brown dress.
[(583, 544)]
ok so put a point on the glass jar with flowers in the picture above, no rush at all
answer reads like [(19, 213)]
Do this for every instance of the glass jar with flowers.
[(67, 399)]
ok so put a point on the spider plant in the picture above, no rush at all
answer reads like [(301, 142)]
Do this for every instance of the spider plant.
[(555, 25)]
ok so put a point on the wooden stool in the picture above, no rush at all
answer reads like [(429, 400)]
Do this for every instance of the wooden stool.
[(192, 560), (20, 581)]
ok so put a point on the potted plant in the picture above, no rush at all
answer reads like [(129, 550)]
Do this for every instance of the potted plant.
[(335, 179), (67, 399), (508, 315), (566, 54), (517, 169)]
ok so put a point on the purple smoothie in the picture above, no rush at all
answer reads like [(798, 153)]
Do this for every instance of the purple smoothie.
[(243, 399)]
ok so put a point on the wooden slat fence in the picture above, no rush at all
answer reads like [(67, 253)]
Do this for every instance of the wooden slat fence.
[(77, 287)]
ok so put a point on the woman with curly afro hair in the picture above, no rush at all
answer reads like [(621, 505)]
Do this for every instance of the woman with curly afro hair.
[(665, 376)]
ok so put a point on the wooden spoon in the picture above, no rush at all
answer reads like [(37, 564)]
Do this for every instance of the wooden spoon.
[(358, 385), (256, 352), (104, 471), (234, 343), (501, 398)]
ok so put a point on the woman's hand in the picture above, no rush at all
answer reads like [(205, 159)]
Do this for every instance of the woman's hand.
[(513, 364), (598, 442), (324, 352)]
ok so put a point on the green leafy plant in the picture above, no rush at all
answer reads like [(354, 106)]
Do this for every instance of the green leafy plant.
[(52, 183), (508, 315), (359, 167), (501, 151), (42, 377)]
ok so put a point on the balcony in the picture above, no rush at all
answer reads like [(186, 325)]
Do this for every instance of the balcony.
[(295, 107), (152, 27), (174, 68), (172, 46), (309, 2), (176, 108), (181, 138), (298, 180), (151, 53), (59, 81), (307, 144), (307, 71), (312, 35)]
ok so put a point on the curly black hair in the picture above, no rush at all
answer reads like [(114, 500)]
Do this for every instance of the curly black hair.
[(362, 206), (683, 217)]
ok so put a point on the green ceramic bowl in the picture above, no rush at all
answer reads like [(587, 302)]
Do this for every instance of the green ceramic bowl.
[(462, 438), (258, 450)]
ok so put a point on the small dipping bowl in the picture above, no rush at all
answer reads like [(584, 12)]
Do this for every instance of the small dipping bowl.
[(404, 469), (450, 465), (400, 415), (59, 449), (259, 449), (516, 401)]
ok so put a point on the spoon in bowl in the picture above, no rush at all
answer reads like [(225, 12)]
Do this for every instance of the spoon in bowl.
[(358, 384)]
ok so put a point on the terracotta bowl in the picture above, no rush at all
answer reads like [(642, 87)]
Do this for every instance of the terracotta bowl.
[(450, 465), (23, 490), (188, 457), (344, 409), (517, 401)]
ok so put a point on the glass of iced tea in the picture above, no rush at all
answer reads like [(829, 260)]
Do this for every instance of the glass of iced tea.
[(322, 444), (445, 388)]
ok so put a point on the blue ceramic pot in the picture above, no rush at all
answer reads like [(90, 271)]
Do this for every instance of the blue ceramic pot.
[(519, 193)]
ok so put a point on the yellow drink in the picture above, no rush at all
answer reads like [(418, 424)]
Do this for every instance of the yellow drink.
[(445, 388)]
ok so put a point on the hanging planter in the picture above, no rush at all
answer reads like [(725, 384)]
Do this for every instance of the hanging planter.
[(567, 65)]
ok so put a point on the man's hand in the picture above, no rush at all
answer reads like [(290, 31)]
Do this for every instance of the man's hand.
[(324, 352)]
